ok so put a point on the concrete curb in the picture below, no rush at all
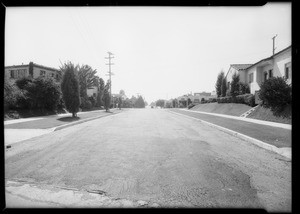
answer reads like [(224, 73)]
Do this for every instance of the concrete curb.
[(82, 121), (286, 152)]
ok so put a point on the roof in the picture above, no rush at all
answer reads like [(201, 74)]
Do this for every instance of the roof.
[(45, 67), (16, 66), (34, 64), (268, 58), (240, 66)]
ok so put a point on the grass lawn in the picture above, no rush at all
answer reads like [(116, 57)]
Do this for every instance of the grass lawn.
[(261, 113), (233, 109), (53, 121), (278, 137)]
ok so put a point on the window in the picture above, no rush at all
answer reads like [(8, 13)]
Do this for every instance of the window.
[(12, 74), (21, 73), (42, 73), (270, 73), (251, 78), (288, 70), (265, 76)]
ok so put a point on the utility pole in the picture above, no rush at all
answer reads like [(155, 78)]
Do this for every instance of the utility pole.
[(274, 44), (109, 73)]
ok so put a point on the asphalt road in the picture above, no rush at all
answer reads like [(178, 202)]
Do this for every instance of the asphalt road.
[(155, 156)]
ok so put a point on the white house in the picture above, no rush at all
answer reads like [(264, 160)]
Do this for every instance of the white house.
[(277, 65), (239, 69)]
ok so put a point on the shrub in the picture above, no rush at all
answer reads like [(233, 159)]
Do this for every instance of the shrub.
[(275, 94), (243, 88), (22, 83), (243, 99), (191, 105), (234, 86), (249, 99), (223, 88), (212, 100), (10, 96), (85, 103), (219, 83), (41, 93), (93, 101)]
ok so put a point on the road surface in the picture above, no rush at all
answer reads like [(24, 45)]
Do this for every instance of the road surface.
[(155, 156)]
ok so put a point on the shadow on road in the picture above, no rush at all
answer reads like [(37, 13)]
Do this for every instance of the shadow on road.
[(69, 119)]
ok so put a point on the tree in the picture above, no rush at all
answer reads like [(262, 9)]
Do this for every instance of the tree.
[(223, 88), (70, 88), (106, 96), (120, 102), (139, 102), (21, 83), (234, 86), (87, 79), (244, 88), (122, 92), (276, 94), (99, 99), (160, 103), (219, 82)]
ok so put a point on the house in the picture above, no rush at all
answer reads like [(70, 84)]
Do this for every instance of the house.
[(30, 70), (203, 95), (277, 65), (238, 69), (92, 92)]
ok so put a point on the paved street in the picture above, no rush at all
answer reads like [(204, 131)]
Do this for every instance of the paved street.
[(155, 156)]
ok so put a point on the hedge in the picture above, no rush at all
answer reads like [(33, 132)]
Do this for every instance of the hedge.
[(247, 99)]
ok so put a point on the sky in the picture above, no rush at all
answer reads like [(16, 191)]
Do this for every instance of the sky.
[(159, 52)]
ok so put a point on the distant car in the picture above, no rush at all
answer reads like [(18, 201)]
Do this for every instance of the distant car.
[(151, 106)]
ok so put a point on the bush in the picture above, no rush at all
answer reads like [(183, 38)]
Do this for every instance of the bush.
[(247, 99), (191, 105), (275, 94), (86, 104), (212, 100), (22, 83), (10, 95), (234, 86), (41, 93), (93, 101), (243, 88)]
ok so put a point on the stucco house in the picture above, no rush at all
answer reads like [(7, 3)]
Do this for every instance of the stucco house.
[(239, 69), (30, 70), (277, 65)]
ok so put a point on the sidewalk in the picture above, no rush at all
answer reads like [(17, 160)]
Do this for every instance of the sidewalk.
[(23, 129), (274, 138)]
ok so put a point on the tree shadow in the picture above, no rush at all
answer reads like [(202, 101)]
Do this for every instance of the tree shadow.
[(68, 119)]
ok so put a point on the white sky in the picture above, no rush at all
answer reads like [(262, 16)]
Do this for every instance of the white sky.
[(160, 52)]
